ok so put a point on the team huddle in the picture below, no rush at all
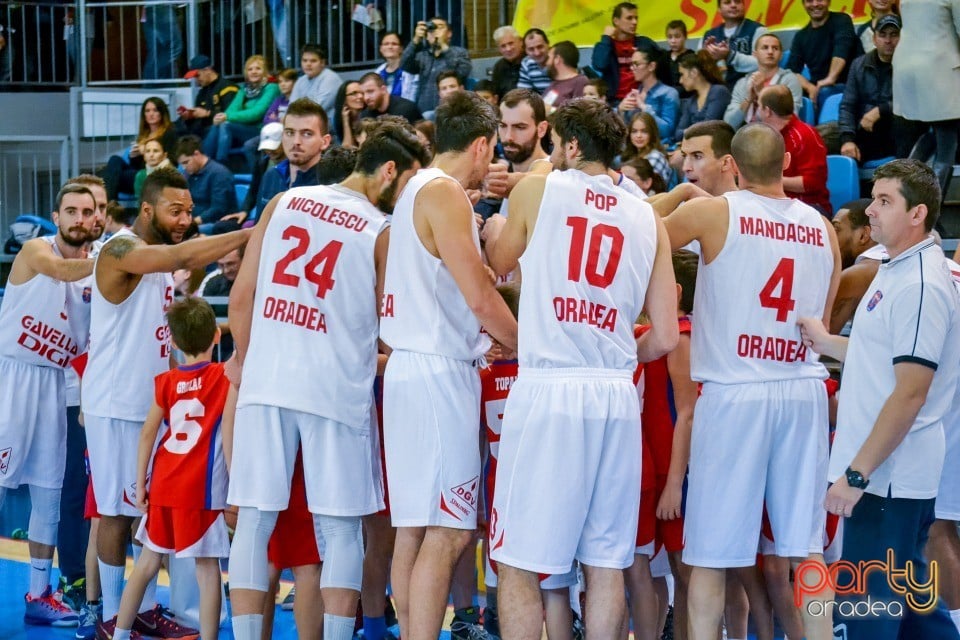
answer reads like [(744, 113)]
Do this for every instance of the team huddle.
[(584, 371)]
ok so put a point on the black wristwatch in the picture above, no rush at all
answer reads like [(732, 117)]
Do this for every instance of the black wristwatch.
[(855, 479)]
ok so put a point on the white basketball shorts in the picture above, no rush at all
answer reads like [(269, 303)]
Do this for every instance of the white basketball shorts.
[(112, 446)]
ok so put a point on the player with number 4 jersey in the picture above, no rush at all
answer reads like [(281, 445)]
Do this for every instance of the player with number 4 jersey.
[(758, 431), (592, 256)]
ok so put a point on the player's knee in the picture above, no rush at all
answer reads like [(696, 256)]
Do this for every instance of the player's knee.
[(343, 561), (248, 554), (44, 515)]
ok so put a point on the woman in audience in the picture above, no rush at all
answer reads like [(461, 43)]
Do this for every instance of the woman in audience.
[(154, 157), (427, 133), (285, 81), (700, 75), (644, 142), (399, 82), (121, 172), (348, 105), (242, 119), (653, 96), (643, 175)]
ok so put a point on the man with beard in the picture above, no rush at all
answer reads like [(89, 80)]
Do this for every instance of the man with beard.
[(437, 294), (523, 124), (568, 82), (129, 346), (379, 100), (322, 249), (44, 324)]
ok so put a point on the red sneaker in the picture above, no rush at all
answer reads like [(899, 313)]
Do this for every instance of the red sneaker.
[(159, 623)]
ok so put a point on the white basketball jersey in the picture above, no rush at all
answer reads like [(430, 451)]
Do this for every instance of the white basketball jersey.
[(45, 322), (877, 252), (129, 347), (585, 274), (313, 339), (423, 310), (775, 267)]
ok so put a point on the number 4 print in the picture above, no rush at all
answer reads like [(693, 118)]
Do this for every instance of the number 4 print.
[(782, 279)]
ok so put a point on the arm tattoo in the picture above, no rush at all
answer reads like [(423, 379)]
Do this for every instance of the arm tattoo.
[(119, 247)]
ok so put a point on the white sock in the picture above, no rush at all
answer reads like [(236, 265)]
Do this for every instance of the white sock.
[(955, 616), (121, 634), (111, 584), (248, 627), (337, 627), (39, 576)]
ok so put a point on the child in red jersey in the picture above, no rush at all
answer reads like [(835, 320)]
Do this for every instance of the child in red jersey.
[(188, 485)]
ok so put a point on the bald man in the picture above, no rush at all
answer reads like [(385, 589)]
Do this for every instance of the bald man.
[(764, 405)]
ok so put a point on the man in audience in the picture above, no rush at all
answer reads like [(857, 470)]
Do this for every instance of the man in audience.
[(506, 71), (318, 82), (805, 178), (211, 184), (613, 55), (744, 101), (732, 43), (215, 95), (568, 82), (379, 100), (428, 55), (220, 285), (448, 82), (866, 111), (533, 68), (306, 133), (826, 46)]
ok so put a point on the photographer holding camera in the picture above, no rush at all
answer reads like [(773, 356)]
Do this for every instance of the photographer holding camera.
[(428, 55)]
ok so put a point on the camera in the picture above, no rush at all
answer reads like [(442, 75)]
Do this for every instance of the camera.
[(431, 26)]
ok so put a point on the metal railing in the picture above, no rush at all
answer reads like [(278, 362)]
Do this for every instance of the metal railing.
[(32, 169)]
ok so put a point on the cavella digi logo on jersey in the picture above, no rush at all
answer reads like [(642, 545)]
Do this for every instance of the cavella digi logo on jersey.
[(875, 300), (162, 334), (46, 341), (461, 500)]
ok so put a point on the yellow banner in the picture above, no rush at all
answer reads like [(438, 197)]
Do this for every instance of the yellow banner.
[(582, 21)]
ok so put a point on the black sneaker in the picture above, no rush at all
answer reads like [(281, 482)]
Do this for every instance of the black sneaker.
[(578, 629), (460, 630), (74, 593), (491, 621), (668, 625)]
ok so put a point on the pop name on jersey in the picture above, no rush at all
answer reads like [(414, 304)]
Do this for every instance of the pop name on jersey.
[(325, 213)]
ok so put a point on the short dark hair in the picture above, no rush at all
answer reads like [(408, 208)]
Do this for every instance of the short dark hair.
[(510, 292), (462, 118), (391, 141), (187, 145), (336, 164), (391, 33), (118, 213), (315, 49), (534, 31), (857, 212), (160, 179), (778, 99), (720, 134), (193, 325), (758, 150), (302, 107), (918, 185), (601, 86), (679, 25), (645, 171), (70, 188), (288, 74), (596, 127), (621, 7), (373, 76), (685, 265), (531, 97), (486, 85), (568, 52), (449, 73)]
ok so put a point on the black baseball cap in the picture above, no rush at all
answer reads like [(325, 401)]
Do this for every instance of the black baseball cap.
[(196, 64)]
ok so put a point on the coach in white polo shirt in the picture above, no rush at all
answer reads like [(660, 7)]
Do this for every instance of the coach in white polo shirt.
[(900, 372)]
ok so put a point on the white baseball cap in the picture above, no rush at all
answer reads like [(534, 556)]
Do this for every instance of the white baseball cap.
[(270, 136)]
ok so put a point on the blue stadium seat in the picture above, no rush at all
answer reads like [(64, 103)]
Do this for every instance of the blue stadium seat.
[(784, 59), (242, 178), (830, 111), (843, 180), (470, 84), (241, 191), (806, 112), (867, 168)]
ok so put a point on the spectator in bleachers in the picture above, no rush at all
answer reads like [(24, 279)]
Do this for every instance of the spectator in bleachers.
[(285, 81), (878, 9), (676, 47), (347, 107), (270, 153), (121, 172), (211, 184), (700, 75), (533, 67), (243, 118), (400, 83), (306, 134), (318, 82), (866, 111), (214, 96), (428, 55), (506, 70), (652, 95), (154, 157), (378, 100), (644, 142), (488, 91), (642, 173), (732, 43), (613, 55), (118, 217), (427, 134), (448, 83), (6, 56), (596, 89), (826, 46), (567, 81), (805, 178), (743, 101)]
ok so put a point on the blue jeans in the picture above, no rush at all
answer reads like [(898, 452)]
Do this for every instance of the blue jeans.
[(73, 530), (223, 137), (281, 30), (877, 525), (161, 31)]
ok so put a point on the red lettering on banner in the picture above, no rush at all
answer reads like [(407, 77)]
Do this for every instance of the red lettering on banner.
[(698, 14), (777, 11)]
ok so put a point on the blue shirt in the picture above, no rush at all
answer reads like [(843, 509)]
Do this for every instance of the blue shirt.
[(212, 191), (277, 180), (663, 103)]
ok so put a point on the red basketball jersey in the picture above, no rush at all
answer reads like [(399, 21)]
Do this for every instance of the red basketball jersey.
[(495, 383), (189, 470)]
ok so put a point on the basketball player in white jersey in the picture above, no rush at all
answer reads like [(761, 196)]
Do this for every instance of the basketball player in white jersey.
[(523, 124), (44, 323), (304, 314), (129, 346), (568, 485), (765, 261), (437, 294)]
